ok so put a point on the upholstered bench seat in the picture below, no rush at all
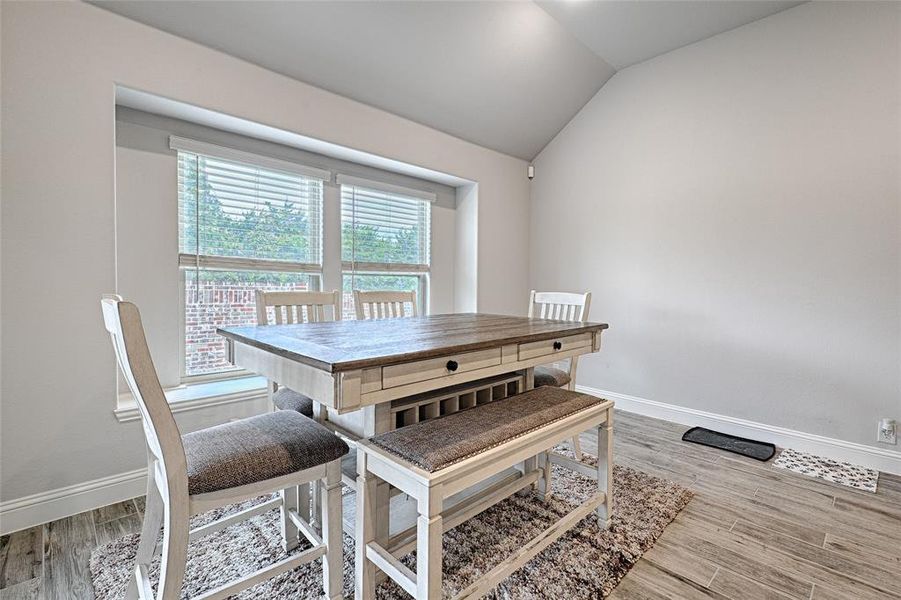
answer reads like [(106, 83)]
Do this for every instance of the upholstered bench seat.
[(551, 376), (434, 460), (438, 443), (255, 449), (287, 399)]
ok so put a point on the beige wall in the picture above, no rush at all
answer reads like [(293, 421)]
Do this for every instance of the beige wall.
[(734, 207), (60, 65)]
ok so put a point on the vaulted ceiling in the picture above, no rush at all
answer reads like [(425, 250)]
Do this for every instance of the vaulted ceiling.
[(504, 75)]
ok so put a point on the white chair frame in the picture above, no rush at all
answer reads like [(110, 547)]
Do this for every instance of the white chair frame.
[(563, 306), (169, 505), (384, 305), (289, 307)]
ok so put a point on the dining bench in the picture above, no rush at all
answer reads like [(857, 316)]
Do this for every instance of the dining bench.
[(435, 459)]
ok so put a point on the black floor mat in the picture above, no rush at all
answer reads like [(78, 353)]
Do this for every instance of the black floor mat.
[(750, 448)]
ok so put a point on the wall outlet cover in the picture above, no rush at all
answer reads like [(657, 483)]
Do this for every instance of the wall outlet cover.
[(887, 432)]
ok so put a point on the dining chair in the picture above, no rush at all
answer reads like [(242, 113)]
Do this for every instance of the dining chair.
[(383, 305), (222, 465), (560, 306), (296, 307)]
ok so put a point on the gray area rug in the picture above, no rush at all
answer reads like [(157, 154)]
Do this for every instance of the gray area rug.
[(586, 563)]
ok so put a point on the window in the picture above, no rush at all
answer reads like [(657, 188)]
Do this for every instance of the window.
[(242, 226), (385, 239), (248, 222)]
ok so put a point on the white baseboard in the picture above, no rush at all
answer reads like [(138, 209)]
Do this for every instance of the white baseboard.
[(887, 461), (66, 501), (63, 502)]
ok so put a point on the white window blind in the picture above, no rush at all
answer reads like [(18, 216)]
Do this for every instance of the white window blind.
[(384, 231), (234, 215), (242, 227)]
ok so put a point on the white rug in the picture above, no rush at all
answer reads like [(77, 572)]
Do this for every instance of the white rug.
[(842, 473)]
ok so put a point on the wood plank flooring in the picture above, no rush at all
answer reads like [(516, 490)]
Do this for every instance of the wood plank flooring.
[(751, 531)]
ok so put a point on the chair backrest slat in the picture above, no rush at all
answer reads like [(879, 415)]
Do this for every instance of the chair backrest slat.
[(384, 305), (297, 307), (559, 306)]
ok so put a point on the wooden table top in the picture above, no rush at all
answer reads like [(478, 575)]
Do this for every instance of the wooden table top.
[(346, 345)]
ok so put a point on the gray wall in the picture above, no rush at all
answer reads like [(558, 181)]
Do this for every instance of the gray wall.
[(734, 208), (60, 65)]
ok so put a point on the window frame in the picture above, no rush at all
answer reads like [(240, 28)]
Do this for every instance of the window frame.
[(200, 262)]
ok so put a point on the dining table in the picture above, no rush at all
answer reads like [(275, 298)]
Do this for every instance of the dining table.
[(371, 376)]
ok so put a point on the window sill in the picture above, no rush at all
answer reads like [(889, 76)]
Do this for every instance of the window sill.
[(198, 395)]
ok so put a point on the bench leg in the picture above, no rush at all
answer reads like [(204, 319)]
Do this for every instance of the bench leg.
[(544, 484), (429, 529), (382, 525), (290, 533), (528, 465), (332, 534), (605, 470), (577, 447), (303, 501), (365, 531)]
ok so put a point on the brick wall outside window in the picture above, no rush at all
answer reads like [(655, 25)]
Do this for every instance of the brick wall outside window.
[(215, 304)]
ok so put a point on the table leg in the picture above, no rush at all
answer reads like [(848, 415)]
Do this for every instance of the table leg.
[(271, 388), (532, 463), (529, 379)]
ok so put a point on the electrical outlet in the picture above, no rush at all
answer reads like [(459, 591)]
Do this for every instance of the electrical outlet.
[(886, 432)]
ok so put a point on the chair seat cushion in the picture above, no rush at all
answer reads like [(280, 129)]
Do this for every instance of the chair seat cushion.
[(439, 443), (287, 399), (551, 376), (255, 449)]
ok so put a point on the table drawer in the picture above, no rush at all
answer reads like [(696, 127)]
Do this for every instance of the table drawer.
[(434, 368), (554, 346)]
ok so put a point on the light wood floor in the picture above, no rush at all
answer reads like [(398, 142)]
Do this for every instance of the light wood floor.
[(751, 531)]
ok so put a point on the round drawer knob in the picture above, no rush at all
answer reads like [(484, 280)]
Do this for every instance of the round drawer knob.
[(452, 365), (558, 345)]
